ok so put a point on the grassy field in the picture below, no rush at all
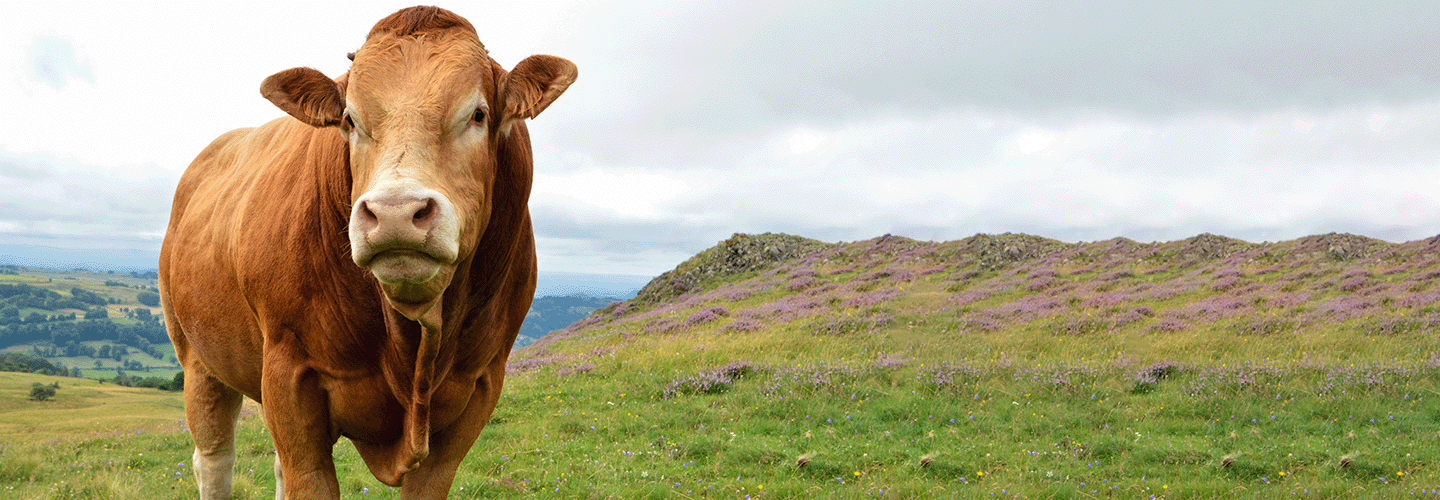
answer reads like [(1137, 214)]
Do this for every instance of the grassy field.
[(856, 427), (896, 369), (924, 420), (79, 407)]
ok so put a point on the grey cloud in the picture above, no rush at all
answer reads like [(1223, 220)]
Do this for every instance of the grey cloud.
[(673, 89), (570, 239), (47, 195), (731, 65), (1144, 57)]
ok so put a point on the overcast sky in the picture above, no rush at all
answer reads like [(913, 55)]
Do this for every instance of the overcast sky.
[(840, 121)]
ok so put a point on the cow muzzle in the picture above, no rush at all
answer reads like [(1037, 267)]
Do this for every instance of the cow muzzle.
[(403, 233)]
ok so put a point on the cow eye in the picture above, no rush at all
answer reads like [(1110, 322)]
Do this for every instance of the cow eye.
[(479, 115), (349, 122)]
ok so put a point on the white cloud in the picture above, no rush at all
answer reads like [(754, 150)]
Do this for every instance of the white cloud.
[(1092, 177), (611, 193), (1032, 142), (804, 141)]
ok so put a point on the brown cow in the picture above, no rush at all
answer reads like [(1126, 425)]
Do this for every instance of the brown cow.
[(361, 268)]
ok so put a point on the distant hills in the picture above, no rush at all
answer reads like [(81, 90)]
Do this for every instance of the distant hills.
[(89, 259), (993, 283), (564, 298), (132, 260), (561, 284), (551, 313), (83, 322), (561, 297)]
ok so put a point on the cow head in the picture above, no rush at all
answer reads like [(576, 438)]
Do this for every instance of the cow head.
[(423, 110)]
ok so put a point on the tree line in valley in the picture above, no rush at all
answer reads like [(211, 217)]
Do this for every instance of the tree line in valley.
[(67, 337), (24, 363), (62, 334)]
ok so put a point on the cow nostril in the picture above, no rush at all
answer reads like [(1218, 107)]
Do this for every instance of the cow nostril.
[(366, 214), (425, 212)]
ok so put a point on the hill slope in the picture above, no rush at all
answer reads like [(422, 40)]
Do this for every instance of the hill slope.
[(1036, 288)]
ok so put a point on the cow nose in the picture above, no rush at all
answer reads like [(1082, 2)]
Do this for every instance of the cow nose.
[(397, 219), (416, 223)]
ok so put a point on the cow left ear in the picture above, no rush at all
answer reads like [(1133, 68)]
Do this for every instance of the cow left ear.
[(306, 94), (534, 83)]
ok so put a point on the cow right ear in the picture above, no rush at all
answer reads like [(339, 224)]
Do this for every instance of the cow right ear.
[(306, 94), (530, 88)]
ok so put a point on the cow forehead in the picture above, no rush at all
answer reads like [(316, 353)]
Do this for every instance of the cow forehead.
[(429, 74)]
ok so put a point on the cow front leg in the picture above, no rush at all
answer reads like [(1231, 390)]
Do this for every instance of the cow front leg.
[(212, 408), (279, 481), (297, 415)]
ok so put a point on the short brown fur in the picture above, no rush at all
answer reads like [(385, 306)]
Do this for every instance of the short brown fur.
[(417, 20)]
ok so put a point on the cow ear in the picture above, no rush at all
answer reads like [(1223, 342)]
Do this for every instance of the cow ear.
[(306, 94), (529, 88)]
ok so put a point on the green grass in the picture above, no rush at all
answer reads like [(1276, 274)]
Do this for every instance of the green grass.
[(1004, 431), (80, 407), (609, 433), (837, 404)]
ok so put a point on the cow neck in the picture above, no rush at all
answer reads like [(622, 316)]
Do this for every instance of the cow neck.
[(332, 185), (342, 278), (334, 182), (496, 250), (415, 351)]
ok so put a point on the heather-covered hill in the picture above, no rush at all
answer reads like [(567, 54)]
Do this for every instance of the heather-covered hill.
[(1313, 291), (1007, 365)]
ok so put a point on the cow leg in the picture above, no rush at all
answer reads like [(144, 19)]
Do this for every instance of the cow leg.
[(279, 481), (212, 408), (297, 415), (448, 447)]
